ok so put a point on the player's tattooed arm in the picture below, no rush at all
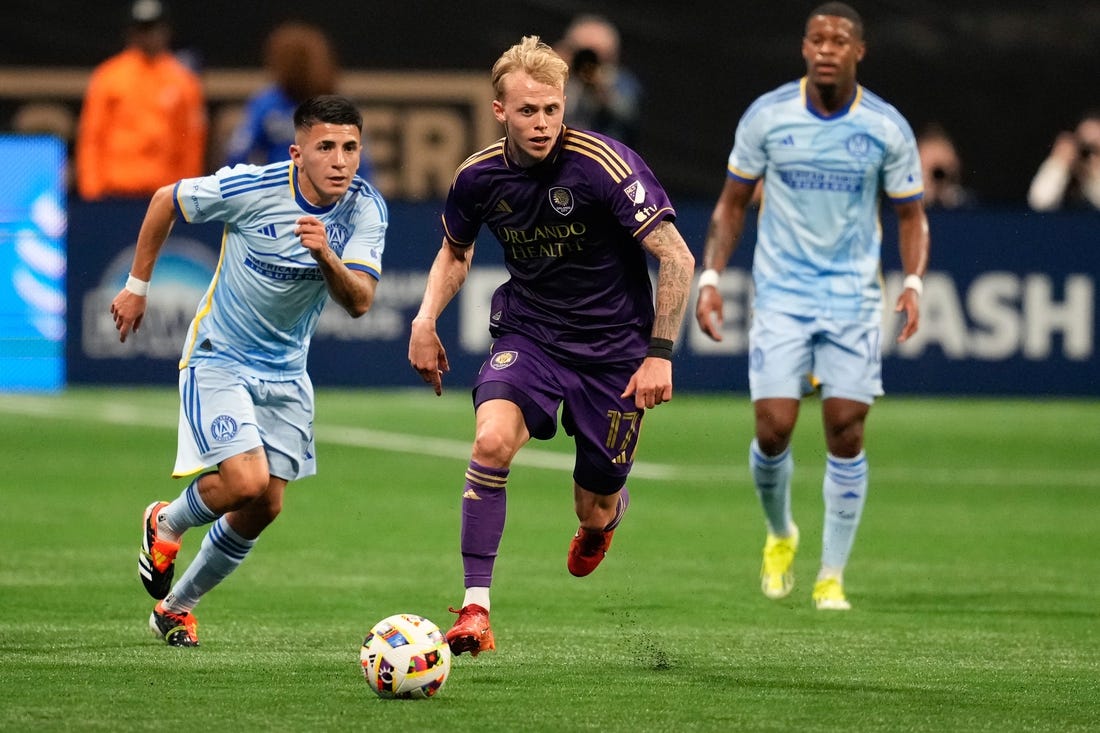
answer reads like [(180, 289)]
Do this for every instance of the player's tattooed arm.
[(674, 274)]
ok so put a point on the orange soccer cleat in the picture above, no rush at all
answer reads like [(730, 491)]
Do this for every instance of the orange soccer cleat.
[(157, 559), (471, 632), (587, 550)]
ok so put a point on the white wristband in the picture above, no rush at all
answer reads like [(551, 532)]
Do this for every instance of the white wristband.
[(913, 282), (708, 277), (136, 286)]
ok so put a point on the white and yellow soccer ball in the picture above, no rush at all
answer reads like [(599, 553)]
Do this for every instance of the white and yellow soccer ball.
[(405, 656)]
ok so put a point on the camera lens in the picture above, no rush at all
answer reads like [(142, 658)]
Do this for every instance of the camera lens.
[(585, 60)]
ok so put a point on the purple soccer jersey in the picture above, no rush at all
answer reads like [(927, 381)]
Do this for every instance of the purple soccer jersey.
[(570, 228)]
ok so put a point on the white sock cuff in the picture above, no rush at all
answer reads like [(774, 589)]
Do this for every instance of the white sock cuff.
[(857, 458), (195, 503), (477, 594), (761, 458)]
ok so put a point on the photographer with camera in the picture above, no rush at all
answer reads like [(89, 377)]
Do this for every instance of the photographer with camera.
[(602, 96), (941, 170), (1070, 176)]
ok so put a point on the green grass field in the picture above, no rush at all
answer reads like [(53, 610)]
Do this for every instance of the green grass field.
[(975, 579)]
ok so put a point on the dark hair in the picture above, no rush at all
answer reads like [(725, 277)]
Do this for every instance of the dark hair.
[(333, 109), (839, 10)]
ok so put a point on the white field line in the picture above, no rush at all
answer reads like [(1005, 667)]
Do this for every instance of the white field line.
[(385, 440), (735, 473)]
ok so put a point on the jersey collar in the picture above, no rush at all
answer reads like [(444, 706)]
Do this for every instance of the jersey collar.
[(302, 201), (546, 163), (852, 103)]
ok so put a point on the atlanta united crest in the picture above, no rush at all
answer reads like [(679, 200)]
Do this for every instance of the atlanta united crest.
[(503, 359), (223, 428), (338, 236), (859, 145), (562, 200)]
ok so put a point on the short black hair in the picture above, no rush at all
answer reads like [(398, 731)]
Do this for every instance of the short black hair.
[(839, 10), (333, 109)]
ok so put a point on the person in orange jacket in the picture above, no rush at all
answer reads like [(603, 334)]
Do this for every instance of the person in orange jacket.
[(143, 123)]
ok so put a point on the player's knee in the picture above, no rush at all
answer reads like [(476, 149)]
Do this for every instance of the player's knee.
[(773, 437), (253, 516), (493, 448), (775, 421), (846, 442), (844, 433), (772, 444), (270, 508), (251, 488)]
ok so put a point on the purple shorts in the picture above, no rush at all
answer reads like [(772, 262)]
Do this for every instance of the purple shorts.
[(604, 425)]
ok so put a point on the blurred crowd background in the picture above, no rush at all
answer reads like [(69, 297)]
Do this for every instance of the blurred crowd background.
[(1000, 77)]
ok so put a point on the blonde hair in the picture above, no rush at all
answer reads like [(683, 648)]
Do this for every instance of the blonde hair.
[(533, 57)]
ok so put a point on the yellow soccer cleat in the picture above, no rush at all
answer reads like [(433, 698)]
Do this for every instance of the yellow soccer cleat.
[(777, 570), (829, 595)]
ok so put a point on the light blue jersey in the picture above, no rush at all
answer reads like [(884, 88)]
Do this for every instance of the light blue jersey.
[(819, 237), (263, 304)]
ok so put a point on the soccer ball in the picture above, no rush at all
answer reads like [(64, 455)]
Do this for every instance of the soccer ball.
[(405, 656)]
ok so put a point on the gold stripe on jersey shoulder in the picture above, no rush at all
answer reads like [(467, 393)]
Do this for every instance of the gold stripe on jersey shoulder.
[(206, 304), (615, 175), (493, 150), (596, 148), (178, 198), (450, 237)]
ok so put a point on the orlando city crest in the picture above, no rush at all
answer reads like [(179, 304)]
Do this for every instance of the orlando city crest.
[(503, 359), (562, 200)]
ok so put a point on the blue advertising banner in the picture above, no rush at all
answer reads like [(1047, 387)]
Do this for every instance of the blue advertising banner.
[(1009, 306), (32, 264)]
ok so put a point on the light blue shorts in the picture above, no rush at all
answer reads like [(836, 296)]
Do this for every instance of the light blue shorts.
[(844, 356), (226, 412)]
